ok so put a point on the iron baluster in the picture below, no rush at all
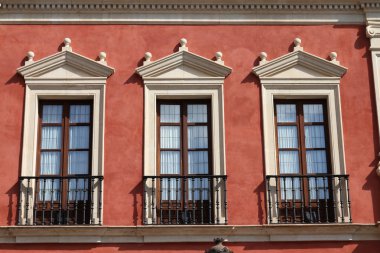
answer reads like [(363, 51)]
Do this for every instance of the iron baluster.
[(154, 211), (269, 200)]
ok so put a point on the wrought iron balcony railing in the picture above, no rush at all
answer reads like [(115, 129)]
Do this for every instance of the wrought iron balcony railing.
[(317, 198), (60, 200), (192, 199)]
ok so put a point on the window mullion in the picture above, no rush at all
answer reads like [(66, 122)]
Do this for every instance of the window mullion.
[(65, 136), (301, 126)]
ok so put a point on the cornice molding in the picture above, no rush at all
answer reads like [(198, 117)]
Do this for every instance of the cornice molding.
[(186, 6), (246, 12), (189, 233)]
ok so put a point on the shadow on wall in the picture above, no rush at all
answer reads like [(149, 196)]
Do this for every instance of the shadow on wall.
[(14, 190), (136, 78), (137, 203), (261, 203), (372, 180), (12, 204)]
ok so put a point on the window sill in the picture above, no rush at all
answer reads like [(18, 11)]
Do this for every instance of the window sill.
[(189, 233)]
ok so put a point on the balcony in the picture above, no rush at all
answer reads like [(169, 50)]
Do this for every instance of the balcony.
[(185, 200), (308, 199), (58, 200)]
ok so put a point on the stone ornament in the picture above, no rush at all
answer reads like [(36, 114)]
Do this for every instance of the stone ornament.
[(219, 247)]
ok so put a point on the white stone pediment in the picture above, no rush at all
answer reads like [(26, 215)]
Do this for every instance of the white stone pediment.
[(65, 65), (65, 71), (183, 65), (183, 71), (299, 64)]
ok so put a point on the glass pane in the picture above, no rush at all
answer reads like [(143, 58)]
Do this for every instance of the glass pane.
[(49, 190), (289, 162), (196, 113), (315, 136), (287, 137), (50, 163), (170, 137), (286, 112), (51, 137), (197, 137), (52, 114), (198, 162), (170, 113), (318, 187), (171, 189), (79, 137), (313, 113), (290, 188), (78, 189), (170, 162), (198, 189), (316, 161), (79, 113), (78, 162)]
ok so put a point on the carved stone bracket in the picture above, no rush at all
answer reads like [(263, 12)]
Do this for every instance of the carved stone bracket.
[(219, 247)]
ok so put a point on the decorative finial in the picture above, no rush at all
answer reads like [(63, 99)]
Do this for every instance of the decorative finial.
[(30, 56), (263, 57), (67, 46), (183, 43), (297, 45), (333, 56), (148, 56), (218, 56), (102, 58)]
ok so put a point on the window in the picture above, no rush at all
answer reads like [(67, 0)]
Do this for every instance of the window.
[(56, 86), (306, 179), (185, 79), (64, 163), (303, 161), (184, 162)]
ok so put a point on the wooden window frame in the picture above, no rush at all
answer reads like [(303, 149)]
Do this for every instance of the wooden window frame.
[(300, 124), (184, 150), (65, 124)]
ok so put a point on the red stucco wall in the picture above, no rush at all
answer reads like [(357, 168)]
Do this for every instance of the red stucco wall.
[(300, 247), (125, 46)]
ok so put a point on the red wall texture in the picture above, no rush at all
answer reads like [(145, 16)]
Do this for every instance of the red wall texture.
[(299, 247), (125, 46)]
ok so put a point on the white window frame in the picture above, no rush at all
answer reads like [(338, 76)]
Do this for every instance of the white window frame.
[(301, 75), (62, 76), (183, 75)]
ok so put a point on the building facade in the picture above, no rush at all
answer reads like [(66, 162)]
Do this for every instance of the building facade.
[(158, 126)]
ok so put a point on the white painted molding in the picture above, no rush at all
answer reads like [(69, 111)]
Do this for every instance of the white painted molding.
[(373, 33), (182, 12), (298, 57), (183, 75), (39, 69), (64, 75), (183, 58), (189, 233), (301, 75)]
